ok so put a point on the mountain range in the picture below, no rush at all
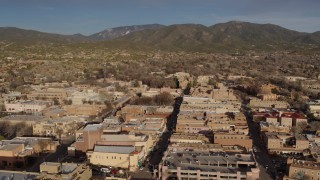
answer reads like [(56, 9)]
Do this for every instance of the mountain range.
[(189, 37), (234, 35), (13, 34), (113, 33)]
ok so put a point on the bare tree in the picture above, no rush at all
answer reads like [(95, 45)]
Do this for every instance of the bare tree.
[(299, 127), (67, 102), (163, 98), (9, 131), (43, 144), (301, 176), (59, 133), (315, 125), (143, 101)]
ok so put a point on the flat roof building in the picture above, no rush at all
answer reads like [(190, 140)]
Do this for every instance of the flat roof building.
[(14, 153), (17, 175), (126, 157), (304, 170), (27, 119), (61, 171), (27, 106), (207, 165)]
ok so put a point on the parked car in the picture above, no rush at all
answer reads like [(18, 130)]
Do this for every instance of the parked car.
[(105, 170), (255, 149)]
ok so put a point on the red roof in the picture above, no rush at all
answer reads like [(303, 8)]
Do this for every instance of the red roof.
[(267, 114), (259, 114), (272, 115), (293, 115), (277, 114)]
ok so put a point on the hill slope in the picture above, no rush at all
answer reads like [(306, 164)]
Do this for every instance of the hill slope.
[(225, 36), (12, 34), (112, 33)]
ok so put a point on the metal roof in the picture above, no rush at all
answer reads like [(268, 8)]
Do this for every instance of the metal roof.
[(114, 149)]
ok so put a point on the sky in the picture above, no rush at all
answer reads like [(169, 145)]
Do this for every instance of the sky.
[(91, 16)]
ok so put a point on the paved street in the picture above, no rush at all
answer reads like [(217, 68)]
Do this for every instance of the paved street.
[(261, 155), (162, 145), (57, 156)]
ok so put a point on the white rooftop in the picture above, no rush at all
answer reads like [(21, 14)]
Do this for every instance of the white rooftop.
[(114, 149), (92, 127)]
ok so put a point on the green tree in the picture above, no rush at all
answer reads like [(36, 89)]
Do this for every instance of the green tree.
[(212, 82), (177, 82)]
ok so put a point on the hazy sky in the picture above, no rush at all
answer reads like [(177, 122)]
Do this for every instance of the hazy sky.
[(91, 16)]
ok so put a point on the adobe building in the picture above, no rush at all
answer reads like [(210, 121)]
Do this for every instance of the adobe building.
[(226, 138), (265, 93), (49, 93), (126, 157), (27, 106), (303, 169), (84, 110), (54, 170), (86, 138), (285, 143), (14, 153)]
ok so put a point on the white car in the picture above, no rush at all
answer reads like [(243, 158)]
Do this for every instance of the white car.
[(105, 170), (255, 149)]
